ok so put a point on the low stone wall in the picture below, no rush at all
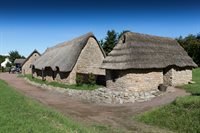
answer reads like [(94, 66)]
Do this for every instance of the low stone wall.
[(103, 95), (134, 80), (177, 76)]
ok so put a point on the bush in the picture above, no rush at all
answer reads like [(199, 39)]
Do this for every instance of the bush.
[(79, 79), (91, 79), (2, 69)]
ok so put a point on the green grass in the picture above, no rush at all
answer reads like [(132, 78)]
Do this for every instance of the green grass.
[(182, 115), (19, 114), (56, 84), (194, 89)]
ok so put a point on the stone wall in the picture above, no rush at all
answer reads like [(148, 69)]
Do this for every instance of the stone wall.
[(89, 61), (103, 95), (134, 80), (27, 67), (177, 76)]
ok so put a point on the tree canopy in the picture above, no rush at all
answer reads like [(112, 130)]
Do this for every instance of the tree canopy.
[(2, 58), (15, 55), (191, 44), (111, 40)]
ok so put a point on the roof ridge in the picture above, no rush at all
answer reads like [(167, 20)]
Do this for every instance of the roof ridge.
[(62, 44), (142, 34)]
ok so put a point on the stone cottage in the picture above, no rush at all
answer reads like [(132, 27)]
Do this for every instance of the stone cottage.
[(18, 63), (141, 62), (63, 62), (28, 63)]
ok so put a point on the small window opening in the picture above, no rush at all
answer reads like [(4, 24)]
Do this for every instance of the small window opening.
[(124, 39), (114, 75)]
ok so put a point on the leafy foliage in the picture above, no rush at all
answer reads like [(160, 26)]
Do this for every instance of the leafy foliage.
[(81, 86), (110, 41), (191, 44), (2, 58), (91, 79), (14, 55), (8, 64), (79, 79)]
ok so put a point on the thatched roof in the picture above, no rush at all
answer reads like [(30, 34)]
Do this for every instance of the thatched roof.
[(141, 51), (64, 55), (19, 61), (35, 51)]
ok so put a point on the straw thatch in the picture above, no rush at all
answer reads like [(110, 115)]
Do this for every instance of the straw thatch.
[(35, 51), (64, 55), (141, 51), (19, 61)]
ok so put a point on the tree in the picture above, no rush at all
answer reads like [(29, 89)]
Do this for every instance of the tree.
[(2, 58), (191, 44), (14, 55), (110, 41), (8, 64)]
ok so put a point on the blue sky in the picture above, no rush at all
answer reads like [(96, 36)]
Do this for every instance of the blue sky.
[(38, 24)]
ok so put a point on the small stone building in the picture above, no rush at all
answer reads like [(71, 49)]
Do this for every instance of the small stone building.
[(141, 62), (63, 62), (28, 63), (18, 63)]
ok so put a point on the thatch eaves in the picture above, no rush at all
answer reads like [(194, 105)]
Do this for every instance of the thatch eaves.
[(64, 55), (141, 51), (19, 61)]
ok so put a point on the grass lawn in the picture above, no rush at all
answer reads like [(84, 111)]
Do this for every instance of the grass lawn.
[(19, 114), (56, 84), (194, 89), (182, 115)]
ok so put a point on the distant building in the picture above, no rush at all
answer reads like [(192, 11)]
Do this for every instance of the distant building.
[(63, 62), (28, 63), (141, 62), (3, 64), (18, 63)]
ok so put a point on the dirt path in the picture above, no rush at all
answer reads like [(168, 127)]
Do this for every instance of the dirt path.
[(118, 116)]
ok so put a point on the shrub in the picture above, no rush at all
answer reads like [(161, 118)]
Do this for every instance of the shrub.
[(91, 79), (79, 79)]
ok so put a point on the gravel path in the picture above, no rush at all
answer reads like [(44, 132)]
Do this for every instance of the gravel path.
[(117, 116)]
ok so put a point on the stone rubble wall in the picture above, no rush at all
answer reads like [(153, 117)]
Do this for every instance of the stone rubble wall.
[(180, 77), (135, 80), (176, 76), (103, 95)]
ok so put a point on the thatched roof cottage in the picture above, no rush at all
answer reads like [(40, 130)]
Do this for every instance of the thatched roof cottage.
[(18, 63), (28, 63), (63, 62), (141, 62)]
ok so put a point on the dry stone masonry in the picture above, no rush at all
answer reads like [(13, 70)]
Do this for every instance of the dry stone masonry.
[(134, 80), (103, 95)]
